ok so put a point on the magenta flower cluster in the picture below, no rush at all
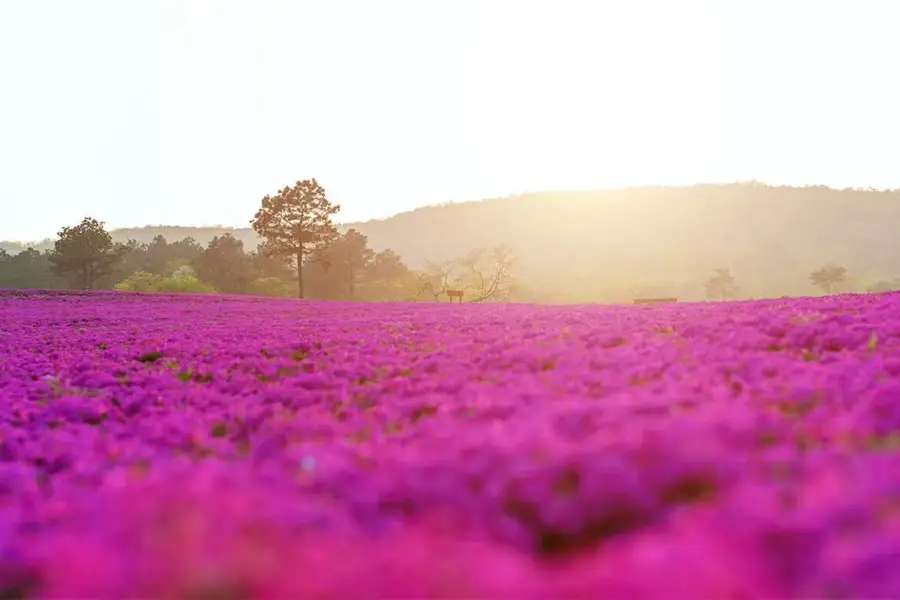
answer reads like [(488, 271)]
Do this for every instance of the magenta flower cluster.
[(158, 446)]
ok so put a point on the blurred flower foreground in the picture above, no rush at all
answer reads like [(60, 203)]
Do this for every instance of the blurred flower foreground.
[(156, 446)]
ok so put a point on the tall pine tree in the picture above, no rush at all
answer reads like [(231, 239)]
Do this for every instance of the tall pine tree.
[(295, 222)]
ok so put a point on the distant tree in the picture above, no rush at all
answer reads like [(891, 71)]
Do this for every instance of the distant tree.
[(180, 267), (350, 256), (133, 260), (86, 254), (186, 249), (437, 278), (224, 265), (347, 269), (483, 274), (266, 264), (295, 222), (162, 257), (388, 278), (828, 276), (721, 286), (488, 273), (29, 269), (157, 255), (387, 265)]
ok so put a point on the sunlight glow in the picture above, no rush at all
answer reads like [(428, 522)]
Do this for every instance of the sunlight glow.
[(392, 105)]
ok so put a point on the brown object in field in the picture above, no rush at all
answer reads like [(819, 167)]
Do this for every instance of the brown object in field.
[(455, 294), (654, 300)]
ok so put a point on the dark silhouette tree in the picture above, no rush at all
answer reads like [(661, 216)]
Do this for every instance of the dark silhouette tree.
[(267, 265), (29, 269), (183, 251), (85, 254), (295, 222), (347, 269), (721, 286), (351, 256), (828, 276), (337, 269), (388, 278), (224, 265), (134, 260), (156, 255)]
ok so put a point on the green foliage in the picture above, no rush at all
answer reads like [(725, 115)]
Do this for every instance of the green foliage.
[(295, 222), (344, 268), (85, 254), (337, 269), (270, 286), (140, 281), (595, 245), (224, 265), (29, 269), (265, 265), (186, 284), (176, 284), (180, 268), (387, 278)]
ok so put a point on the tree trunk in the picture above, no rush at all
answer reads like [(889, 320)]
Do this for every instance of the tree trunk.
[(300, 273)]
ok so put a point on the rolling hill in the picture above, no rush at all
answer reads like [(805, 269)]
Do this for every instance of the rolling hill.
[(600, 245)]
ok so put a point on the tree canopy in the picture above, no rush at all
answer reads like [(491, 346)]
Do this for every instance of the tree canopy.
[(296, 222), (721, 286), (828, 277), (86, 254), (224, 265)]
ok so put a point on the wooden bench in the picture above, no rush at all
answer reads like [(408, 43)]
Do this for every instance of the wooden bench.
[(455, 294), (654, 300)]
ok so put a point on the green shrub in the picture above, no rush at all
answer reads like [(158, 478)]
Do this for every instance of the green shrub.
[(181, 283), (270, 286), (184, 284), (140, 281)]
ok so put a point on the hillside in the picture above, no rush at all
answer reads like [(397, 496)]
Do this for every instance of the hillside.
[(600, 245)]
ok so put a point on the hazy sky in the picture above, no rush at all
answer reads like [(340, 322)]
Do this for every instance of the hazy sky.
[(190, 111)]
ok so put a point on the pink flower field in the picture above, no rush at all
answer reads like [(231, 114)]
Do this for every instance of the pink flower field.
[(202, 447)]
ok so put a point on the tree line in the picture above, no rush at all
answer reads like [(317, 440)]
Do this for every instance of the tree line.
[(302, 254)]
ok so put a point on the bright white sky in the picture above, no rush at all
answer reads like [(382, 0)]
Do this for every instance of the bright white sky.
[(190, 111)]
